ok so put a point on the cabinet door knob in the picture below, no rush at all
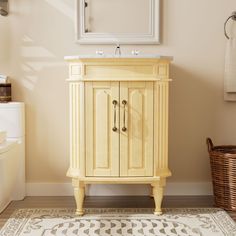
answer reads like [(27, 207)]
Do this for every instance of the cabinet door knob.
[(124, 102), (124, 129), (114, 102)]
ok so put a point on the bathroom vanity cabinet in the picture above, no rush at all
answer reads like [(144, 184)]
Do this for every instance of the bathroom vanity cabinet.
[(118, 122)]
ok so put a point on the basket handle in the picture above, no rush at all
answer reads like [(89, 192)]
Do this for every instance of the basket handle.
[(210, 145)]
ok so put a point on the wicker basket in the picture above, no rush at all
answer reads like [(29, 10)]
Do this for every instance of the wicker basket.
[(223, 171)]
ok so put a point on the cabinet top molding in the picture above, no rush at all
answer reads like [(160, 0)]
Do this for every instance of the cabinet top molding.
[(118, 57)]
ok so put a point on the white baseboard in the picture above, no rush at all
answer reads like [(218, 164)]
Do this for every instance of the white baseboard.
[(171, 189), (49, 189)]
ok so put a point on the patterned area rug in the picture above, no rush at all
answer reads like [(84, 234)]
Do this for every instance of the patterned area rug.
[(106, 222)]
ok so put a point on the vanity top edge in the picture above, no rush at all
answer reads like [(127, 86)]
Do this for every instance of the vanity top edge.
[(125, 56)]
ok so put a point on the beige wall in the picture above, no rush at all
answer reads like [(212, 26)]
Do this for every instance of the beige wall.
[(36, 36)]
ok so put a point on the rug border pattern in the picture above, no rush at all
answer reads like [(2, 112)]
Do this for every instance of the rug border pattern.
[(19, 217)]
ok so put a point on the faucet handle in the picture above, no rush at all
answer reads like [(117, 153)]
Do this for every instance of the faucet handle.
[(135, 52), (99, 52)]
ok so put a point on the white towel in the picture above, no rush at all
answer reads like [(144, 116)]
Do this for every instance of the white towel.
[(3, 79), (230, 66), (3, 76)]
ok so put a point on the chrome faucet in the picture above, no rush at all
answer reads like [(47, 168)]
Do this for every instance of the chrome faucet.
[(118, 50)]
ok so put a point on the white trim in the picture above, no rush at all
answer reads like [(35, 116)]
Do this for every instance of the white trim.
[(65, 189), (153, 37), (49, 189), (188, 189)]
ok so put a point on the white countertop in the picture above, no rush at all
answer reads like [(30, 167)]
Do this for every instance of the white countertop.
[(112, 56)]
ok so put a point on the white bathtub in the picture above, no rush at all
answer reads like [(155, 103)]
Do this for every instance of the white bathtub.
[(9, 165)]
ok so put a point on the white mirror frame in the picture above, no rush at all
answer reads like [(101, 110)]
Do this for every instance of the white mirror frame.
[(153, 37)]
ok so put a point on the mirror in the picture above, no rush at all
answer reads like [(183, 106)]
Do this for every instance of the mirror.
[(117, 21)]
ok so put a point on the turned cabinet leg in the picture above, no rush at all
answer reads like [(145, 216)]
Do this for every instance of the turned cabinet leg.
[(158, 196), (158, 189), (79, 193)]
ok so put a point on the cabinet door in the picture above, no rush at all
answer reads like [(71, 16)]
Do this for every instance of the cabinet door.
[(136, 128), (101, 115)]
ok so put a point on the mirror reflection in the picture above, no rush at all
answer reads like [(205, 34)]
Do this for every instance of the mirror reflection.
[(117, 16)]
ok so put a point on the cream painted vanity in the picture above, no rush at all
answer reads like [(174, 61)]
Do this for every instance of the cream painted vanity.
[(118, 122)]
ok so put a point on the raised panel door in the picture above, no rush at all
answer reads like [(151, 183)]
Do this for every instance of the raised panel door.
[(101, 116), (136, 128)]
